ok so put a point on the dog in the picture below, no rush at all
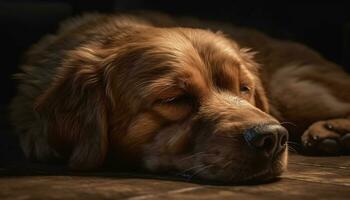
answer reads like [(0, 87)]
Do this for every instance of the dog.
[(167, 95)]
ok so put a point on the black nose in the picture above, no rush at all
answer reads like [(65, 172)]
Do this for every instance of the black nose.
[(269, 139)]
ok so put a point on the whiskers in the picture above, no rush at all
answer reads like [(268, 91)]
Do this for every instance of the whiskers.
[(293, 146), (227, 164), (187, 173), (200, 170), (196, 155), (191, 172), (288, 123), (291, 149)]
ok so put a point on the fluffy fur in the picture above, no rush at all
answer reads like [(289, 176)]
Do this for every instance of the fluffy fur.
[(150, 92)]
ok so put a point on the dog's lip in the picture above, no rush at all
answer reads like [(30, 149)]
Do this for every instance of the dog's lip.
[(263, 176), (268, 173)]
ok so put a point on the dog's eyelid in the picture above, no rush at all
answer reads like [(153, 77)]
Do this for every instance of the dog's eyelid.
[(245, 88), (246, 84), (176, 100), (169, 100)]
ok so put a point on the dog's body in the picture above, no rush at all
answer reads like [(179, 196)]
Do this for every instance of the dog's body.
[(169, 98)]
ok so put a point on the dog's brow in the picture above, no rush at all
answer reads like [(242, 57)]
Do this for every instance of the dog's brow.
[(227, 76), (156, 71)]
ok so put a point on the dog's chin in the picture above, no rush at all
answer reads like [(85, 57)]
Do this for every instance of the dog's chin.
[(245, 174), (236, 173), (263, 176)]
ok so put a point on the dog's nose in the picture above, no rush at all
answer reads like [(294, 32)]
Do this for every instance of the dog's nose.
[(269, 139)]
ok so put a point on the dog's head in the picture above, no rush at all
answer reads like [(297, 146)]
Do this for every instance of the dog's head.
[(171, 99)]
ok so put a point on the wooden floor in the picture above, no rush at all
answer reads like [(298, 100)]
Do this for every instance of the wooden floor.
[(307, 178)]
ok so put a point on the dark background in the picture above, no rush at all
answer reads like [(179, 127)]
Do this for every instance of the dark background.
[(324, 26)]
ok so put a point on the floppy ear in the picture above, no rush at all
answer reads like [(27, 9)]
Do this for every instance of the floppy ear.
[(74, 111), (260, 98)]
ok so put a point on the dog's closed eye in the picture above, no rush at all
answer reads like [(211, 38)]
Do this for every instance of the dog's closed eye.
[(178, 100), (245, 89), (174, 107)]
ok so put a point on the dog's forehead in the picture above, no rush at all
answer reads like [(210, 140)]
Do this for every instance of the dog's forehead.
[(205, 51), (195, 58), (219, 59), (207, 44)]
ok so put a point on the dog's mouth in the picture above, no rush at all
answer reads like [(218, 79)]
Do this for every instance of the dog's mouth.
[(223, 161), (244, 174), (260, 177)]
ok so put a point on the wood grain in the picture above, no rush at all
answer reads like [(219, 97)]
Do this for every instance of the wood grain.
[(307, 178)]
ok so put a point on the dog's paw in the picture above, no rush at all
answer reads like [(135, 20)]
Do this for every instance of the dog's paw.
[(328, 137)]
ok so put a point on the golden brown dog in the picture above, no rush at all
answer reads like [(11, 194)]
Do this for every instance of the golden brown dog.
[(148, 92)]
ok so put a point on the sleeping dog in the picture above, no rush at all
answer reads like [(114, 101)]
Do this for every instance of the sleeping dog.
[(166, 95)]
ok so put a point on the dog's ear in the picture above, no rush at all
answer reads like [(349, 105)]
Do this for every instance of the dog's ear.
[(74, 109), (260, 98)]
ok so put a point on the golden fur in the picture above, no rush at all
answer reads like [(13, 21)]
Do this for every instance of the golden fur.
[(148, 93)]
